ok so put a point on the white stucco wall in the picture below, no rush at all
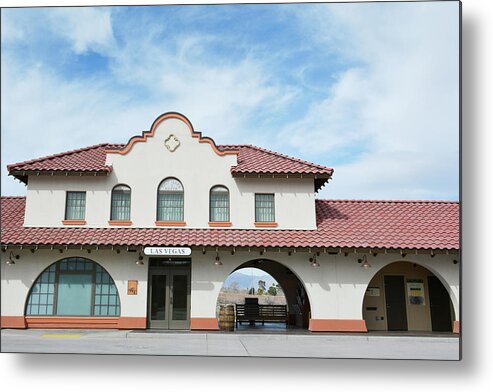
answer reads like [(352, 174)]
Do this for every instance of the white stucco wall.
[(195, 164), (335, 290)]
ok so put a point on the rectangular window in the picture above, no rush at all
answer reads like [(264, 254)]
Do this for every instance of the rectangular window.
[(120, 204), (264, 207), (74, 294), (75, 208), (219, 209), (170, 207)]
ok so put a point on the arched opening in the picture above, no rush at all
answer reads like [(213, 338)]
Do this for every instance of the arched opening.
[(280, 295), (405, 296), (73, 286)]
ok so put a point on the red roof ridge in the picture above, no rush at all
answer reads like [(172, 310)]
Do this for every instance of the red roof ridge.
[(386, 201), (58, 155), (275, 153)]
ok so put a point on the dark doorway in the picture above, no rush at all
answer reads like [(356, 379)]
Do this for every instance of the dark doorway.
[(441, 320), (395, 299)]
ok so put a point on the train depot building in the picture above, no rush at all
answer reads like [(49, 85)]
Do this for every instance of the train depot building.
[(143, 235)]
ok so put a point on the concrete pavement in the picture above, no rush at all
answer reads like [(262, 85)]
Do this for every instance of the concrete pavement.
[(186, 343)]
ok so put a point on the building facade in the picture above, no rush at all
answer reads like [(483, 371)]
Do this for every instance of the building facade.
[(143, 235)]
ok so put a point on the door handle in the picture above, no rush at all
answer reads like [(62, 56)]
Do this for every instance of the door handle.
[(171, 300)]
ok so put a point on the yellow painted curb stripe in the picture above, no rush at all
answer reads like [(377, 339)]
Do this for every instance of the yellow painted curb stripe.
[(61, 335)]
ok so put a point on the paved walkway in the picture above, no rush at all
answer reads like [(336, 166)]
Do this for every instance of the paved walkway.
[(249, 344)]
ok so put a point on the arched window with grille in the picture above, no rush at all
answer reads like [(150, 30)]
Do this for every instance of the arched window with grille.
[(120, 203), (74, 286), (219, 204), (170, 201)]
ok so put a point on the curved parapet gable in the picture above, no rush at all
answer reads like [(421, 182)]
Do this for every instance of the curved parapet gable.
[(160, 119)]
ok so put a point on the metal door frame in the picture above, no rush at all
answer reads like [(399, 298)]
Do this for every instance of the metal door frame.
[(169, 272)]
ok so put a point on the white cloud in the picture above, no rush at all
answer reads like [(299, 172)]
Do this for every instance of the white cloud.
[(84, 28), (219, 97), (397, 110)]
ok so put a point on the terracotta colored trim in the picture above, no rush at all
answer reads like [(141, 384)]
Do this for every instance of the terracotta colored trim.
[(13, 322), (337, 325), (72, 322), (265, 224), (74, 222), (120, 222), (160, 119), (132, 323), (204, 323), (456, 326), (220, 224), (170, 223)]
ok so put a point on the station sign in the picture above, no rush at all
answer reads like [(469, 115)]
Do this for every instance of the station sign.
[(167, 251)]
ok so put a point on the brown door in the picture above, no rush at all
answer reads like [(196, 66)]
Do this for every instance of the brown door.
[(441, 319), (395, 298)]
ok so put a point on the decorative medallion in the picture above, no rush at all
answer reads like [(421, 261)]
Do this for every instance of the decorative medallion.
[(172, 143)]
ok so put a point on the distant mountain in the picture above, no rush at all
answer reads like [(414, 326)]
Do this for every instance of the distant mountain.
[(246, 281)]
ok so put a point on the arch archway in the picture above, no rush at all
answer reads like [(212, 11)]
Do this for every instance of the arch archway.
[(406, 296), (74, 286), (296, 297)]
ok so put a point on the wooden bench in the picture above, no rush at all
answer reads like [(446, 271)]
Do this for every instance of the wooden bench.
[(256, 313)]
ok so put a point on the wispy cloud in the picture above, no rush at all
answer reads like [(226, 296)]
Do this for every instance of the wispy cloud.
[(84, 28)]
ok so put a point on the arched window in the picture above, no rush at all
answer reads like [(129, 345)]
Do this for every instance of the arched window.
[(219, 204), (170, 201), (120, 203), (75, 286)]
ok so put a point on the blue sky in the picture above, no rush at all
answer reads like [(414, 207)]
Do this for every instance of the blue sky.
[(370, 89)]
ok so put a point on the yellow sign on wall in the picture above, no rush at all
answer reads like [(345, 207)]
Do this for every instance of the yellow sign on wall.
[(416, 292), (132, 287)]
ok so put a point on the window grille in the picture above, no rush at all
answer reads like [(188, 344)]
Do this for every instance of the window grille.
[(74, 287), (264, 207), (120, 203), (75, 208), (219, 204), (170, 201)]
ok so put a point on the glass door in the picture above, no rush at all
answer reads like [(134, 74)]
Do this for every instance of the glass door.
[(169, 298), (179, 314), (158, 300)]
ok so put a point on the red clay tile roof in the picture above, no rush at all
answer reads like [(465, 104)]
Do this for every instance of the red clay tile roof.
[(88, 159), (251, 160), (256, 160), (341, 223)]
